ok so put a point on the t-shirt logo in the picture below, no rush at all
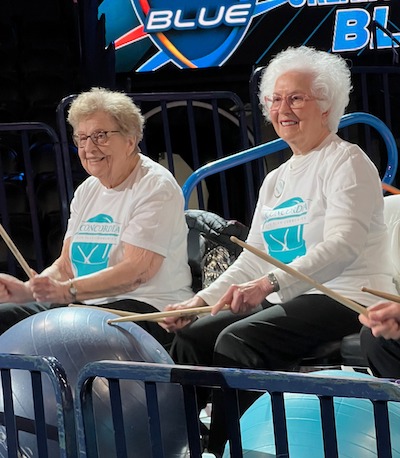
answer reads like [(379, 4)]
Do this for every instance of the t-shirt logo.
[(92, 243), (282, 230)]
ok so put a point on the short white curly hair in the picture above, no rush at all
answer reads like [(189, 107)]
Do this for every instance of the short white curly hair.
[(117, 104), (331, 79)]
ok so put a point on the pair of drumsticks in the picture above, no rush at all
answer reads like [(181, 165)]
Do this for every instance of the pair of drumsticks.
[(157, 316)]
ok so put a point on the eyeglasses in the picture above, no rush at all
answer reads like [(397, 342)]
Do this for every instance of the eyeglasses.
[(294, 101), (99, 138)]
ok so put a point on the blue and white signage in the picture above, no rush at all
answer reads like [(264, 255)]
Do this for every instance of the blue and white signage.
[(208, 33)]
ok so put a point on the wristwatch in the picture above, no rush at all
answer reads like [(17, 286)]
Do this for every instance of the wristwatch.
[(274, 282), (72, 290)]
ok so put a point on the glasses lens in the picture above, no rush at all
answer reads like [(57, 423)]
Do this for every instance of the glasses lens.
[(78, 140), (273, 103), (99, 138), (296, 101)]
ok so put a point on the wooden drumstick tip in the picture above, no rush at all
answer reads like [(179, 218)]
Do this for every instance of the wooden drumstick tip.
[(382, 294)]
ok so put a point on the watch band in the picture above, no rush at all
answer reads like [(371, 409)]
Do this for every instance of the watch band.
[(274, 282), (72, 290)]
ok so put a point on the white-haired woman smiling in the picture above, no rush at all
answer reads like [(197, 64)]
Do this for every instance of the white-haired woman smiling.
[(126, 242), (321, 212)]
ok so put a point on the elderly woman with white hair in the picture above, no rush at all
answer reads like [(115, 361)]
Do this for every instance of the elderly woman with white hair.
[(125, 246), (321, 212)]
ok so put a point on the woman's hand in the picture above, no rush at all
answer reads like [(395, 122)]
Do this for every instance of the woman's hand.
[(383, 319), (172, 324), (14, 290), (47, 289), (243, 298)]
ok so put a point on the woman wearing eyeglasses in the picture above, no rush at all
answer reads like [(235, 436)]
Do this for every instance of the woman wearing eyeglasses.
[(125, 244), (321, 212)]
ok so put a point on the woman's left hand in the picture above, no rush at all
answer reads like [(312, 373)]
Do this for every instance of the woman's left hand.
[(243, 298)]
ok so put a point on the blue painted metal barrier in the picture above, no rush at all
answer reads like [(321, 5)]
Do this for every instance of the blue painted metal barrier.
[(14, 399), (81, 440), (230, 381), (274, 146)]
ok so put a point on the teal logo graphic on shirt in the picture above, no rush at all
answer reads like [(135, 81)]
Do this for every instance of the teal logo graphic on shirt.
[(282, 230), (92, 243)]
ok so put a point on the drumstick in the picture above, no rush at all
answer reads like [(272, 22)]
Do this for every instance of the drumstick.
[(14, 250), (295, 273), (388, 296), (158, 316), (390, 188), (104, 309)]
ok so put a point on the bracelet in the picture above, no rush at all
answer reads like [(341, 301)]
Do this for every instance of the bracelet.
[(274, 282)]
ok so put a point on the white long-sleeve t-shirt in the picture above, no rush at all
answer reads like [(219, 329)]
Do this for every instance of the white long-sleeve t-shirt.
[(322, 214)]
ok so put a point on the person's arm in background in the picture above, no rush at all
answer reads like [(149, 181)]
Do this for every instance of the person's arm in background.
[(383, 319)]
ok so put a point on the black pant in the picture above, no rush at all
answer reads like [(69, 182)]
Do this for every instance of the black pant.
[(275, 338), (11, 314), (383, 355)]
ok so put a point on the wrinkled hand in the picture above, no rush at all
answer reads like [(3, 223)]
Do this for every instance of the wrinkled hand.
[(245, 297), (173, 324), (14, 290), (383, 319), (46, 289)]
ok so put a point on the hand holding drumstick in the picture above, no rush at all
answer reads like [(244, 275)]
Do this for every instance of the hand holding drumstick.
[(12, 289), (337, 297), (383, 318)]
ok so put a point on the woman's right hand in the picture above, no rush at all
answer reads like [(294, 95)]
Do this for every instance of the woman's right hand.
[(173, 324), (13, 290)]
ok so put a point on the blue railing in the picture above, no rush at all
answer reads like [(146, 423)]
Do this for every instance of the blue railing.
[(78, 432), (24, 412), (324, 386)]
